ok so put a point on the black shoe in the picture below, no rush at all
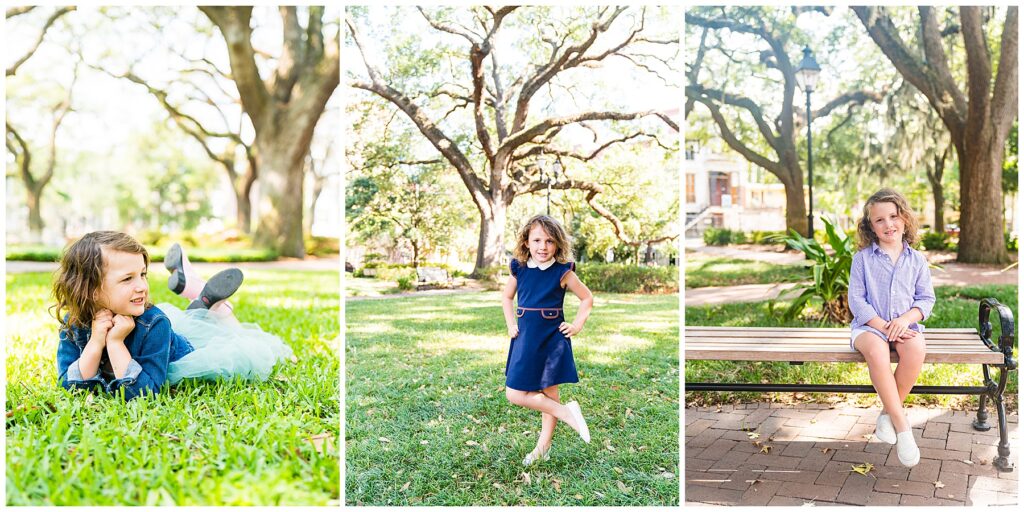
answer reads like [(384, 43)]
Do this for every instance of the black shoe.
[(221, 286), (173, 264)]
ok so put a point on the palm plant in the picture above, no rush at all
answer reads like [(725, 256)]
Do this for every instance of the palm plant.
[(830, 272)]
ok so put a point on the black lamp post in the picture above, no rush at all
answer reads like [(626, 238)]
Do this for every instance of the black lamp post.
[(549, 176), (807, 73)]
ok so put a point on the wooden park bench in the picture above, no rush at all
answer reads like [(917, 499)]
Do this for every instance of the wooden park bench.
[(432, 277), (800, 345)]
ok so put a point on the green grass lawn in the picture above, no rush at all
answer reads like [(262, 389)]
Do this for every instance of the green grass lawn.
[(369, 287), (202, 443), (955, 307), (427, 422), (702, 271)]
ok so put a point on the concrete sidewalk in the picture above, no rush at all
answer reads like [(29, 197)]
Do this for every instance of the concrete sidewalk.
[(20, 267), (814, 449)]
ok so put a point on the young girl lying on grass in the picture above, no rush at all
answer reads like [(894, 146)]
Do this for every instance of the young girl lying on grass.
[(113, 339)]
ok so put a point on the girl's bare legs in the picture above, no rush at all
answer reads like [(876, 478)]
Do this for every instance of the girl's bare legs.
[(876, 353), (547, 422), (912, 354), (540, 402)]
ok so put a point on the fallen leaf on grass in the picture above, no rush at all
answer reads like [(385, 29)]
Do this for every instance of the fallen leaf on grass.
[(501, 429), (321, 442), (383, 439), (557, 484), (622, 487), (939, 485), (863, 469), (171, 437), (629, 413), (424, 442), (474, 420), (578, 496), (753, 435), (472, 443), (406, 486), (526, 478), (617, 470), (668, 475)]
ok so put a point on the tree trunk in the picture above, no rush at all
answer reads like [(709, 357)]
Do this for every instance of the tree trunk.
[(280, 163), (981, 201), (796, 209), (244, 211), (35, 217), (491, 244)]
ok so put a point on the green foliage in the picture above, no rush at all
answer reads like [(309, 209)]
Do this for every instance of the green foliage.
[(406, 283), (625, 278), (830, 273), (1011, 241), (724, 236), (426, 406), (322, 246), (768, 237), (701, 272), (199, 443), (156, 254), (935, 240)]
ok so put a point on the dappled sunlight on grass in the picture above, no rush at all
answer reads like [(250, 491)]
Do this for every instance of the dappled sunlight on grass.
[(370, 328), (442, 345), (202, 441), (617, 343), (427, 401)]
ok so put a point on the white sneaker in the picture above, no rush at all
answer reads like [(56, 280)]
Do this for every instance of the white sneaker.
[(907, 450), (884, 431), (581, 423)]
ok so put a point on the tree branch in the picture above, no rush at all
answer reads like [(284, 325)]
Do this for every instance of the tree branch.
[(42, 33), (233, 23)]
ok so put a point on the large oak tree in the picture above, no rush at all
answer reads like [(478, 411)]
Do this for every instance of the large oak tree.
[(284, 108), (773, 141), (510, 128), (978, 115)]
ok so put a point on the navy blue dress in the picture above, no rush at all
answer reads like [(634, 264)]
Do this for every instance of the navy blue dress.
[(540, 356)]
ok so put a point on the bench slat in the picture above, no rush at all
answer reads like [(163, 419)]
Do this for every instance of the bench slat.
[(795, 344)]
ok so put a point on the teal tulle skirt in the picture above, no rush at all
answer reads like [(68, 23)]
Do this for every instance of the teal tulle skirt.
[(222, 349)]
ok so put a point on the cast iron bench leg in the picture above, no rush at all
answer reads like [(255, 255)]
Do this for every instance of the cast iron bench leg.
[(981, 423)]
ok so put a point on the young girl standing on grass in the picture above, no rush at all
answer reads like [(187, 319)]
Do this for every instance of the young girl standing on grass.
[(113, 339), (540, 352), (890, 293)]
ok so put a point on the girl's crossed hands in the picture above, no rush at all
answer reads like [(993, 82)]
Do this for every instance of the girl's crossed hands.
[(123, 325), (102, 322)]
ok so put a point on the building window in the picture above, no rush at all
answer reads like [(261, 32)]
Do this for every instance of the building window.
[(691, 188)]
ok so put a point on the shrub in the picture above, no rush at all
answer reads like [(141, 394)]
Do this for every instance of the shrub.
[(395, 273), (768, 237), (935, 241), (1011, 241), (322, 246), (830, 272), (724, 236), (625, 278), (406, 283)]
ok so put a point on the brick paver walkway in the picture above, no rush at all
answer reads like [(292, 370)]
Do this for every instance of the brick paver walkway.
[(814, 448)]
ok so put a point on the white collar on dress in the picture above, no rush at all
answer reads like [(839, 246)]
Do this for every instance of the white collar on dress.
[(533, 264)]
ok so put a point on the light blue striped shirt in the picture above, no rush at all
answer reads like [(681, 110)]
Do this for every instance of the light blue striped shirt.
[(880, 288)]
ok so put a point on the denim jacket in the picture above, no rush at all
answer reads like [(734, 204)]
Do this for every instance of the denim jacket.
[(152, 345)]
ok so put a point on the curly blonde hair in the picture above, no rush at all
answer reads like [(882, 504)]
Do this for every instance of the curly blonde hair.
[(554, 229), (866, 236), (80, 275)]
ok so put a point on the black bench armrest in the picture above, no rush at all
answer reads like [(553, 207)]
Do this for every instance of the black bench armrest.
[(1006, 330)]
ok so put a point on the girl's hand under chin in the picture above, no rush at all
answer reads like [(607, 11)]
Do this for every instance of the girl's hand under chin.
[(123, 325)]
